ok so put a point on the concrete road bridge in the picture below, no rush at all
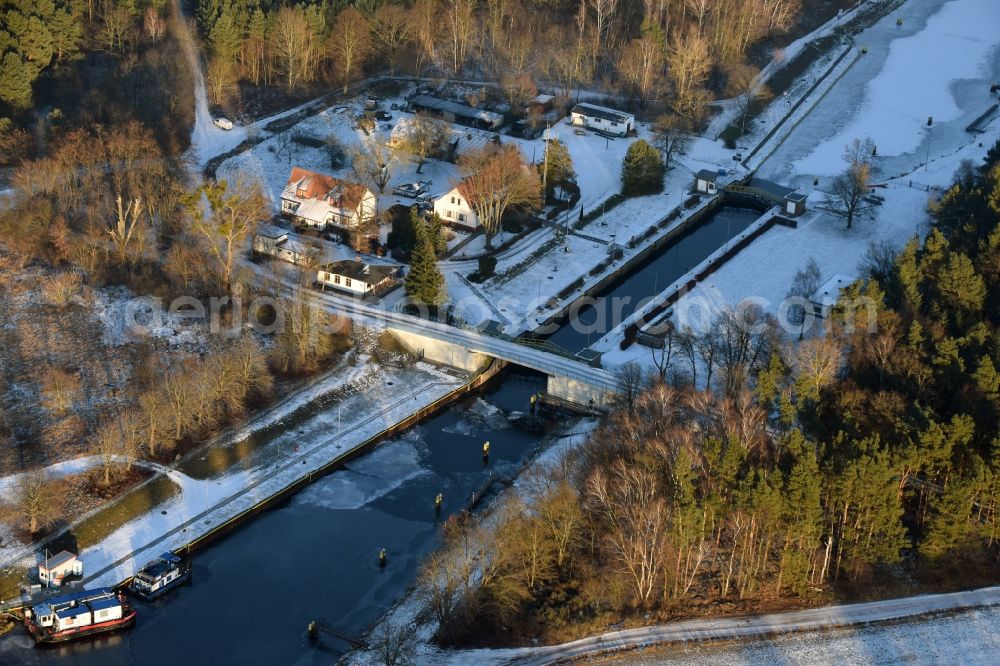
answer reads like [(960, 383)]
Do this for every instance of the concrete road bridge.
[(570, 378)]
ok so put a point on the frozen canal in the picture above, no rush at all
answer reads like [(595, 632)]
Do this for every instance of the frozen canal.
[(315, 557)]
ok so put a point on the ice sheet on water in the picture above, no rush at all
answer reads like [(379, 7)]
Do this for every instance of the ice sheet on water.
[(483, 408), (461, 427), (367, 479)]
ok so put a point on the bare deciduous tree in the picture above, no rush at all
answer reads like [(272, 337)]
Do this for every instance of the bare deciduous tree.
[(671, 137), (233, 213), (374, 162), (289, 39), (35, 500), (392, 30), (635, 517), (423, 137), (804, 284), (350, 43), (498, 181), (60, 389), (850, 198), (817, 361), (126, 228)]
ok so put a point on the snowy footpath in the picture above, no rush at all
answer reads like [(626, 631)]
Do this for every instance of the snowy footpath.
[(970, 637), (694, 636)]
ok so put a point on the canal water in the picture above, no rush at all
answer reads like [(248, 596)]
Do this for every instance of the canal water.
[(657, 273), (316, 556)]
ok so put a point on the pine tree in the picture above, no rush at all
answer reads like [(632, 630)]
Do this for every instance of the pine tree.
[(16, 76), (439, 237), (425, 283), (559, 165), (642, 170), (803, 517), (962, 290), (986, 377)]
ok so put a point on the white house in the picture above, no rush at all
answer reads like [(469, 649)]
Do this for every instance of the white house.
[(609, 121), (705, 181), (824, 298), (357, 278), (317, 200), (54, 569), (454, 208)]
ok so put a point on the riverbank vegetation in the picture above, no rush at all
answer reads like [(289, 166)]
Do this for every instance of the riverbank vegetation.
[(854, 465)]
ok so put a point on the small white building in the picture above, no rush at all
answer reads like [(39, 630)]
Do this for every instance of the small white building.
[(602, 118), (454, 208), (317, 200), (54, 569), (705, 181), (358, 278), (271, 242), (825, 298)]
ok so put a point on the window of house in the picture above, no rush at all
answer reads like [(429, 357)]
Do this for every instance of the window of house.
[(614, 124), (347, 282), (336, 279), (326, 276), (453, 199), (450, 214), (461, 217)]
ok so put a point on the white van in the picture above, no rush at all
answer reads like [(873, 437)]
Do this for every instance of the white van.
[(223, 123)]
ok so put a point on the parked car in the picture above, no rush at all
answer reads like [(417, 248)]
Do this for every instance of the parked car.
[(579, 132), (409, 190), (382, 115), (394, 106), (223, 123)]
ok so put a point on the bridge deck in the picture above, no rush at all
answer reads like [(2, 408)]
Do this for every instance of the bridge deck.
[(522, 353)]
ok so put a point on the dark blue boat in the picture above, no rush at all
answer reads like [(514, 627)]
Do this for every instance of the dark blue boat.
[(160, 576)]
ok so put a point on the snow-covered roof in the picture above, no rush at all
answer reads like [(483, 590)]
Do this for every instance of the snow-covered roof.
[(595, 111), (828, 293), (459, 110), (270, 231), (358, 270), (319, 194), (707, 175), (57, 561)]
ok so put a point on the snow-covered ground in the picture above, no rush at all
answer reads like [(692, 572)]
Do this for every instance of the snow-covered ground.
[(970, 637), (209, 493), (939, 63), (874, 98)]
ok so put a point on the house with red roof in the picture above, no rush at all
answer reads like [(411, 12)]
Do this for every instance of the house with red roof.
[(319, 201)]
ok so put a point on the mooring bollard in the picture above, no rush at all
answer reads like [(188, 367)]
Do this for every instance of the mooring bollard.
[(381, 558)]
